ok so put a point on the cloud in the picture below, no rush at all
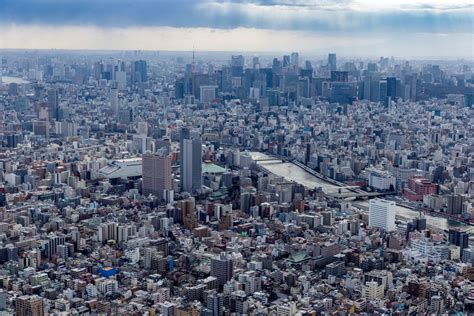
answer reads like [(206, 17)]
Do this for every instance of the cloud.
[(234, 40), (332, 16)]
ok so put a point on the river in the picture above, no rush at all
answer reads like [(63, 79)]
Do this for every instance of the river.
[(294, 173), (8, 80)]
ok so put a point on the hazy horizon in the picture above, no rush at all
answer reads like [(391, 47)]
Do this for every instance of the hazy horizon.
[(361, 28)]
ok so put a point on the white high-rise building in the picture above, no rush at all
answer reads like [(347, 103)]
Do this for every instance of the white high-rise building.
[(382, 214)]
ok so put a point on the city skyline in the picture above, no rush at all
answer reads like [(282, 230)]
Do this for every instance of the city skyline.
[(236, 157)]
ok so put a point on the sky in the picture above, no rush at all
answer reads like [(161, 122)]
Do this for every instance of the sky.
[(370, 28)]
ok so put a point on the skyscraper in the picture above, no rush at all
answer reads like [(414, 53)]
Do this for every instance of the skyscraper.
[(222, 268), (156, 173), (286, 60), (238, 63), (114, 100), (455, 204), (191, 162), (392, 88), (382, 214), (458, 238), (53, 104), (140, 71), (295, 59), (332, 62)]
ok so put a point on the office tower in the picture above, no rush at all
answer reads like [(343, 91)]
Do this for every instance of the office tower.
[(343, 92), (191, 162), (372, 67), (382, 214), (455, 203), (367, 83), (392, 88), (51, 247), (184, 134), (53, 106), (215, 301), (156, 173), (237, 65), (197, 81), (375, 89), (114, 100), (295, 59), (459, 238), (140, 71), (121, 79), (255, 63), (222, 268), (332, 62), (286, 61), (339, 76), (29, 306), (383, 93), (208, 93)]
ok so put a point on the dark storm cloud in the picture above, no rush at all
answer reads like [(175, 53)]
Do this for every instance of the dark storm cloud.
[(318, 15)]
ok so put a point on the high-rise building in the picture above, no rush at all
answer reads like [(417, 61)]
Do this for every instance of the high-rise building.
[(191, 162), (222, 268), (156, 173), (238, 63), (167, 309), (53, 104), (392, 88), (208, 93), (458, 238), (339, 76), (437, 305), (140, 71), (295, 59), (29, 306), (382, 214), (286, 61), (114, 100), (332, 62), (215, 302), (455, 204)]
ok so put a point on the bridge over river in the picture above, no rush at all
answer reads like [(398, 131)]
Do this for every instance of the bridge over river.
[(301, 174)]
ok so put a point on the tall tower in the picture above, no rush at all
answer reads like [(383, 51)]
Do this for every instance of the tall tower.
[(222, 268), (190, 156), (332, 62), (156, 170), (114, 100), (53, 104), (193, 65), (382, 214)]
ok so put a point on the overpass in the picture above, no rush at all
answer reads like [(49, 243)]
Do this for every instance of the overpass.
[(268, 159), (357, 193)]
